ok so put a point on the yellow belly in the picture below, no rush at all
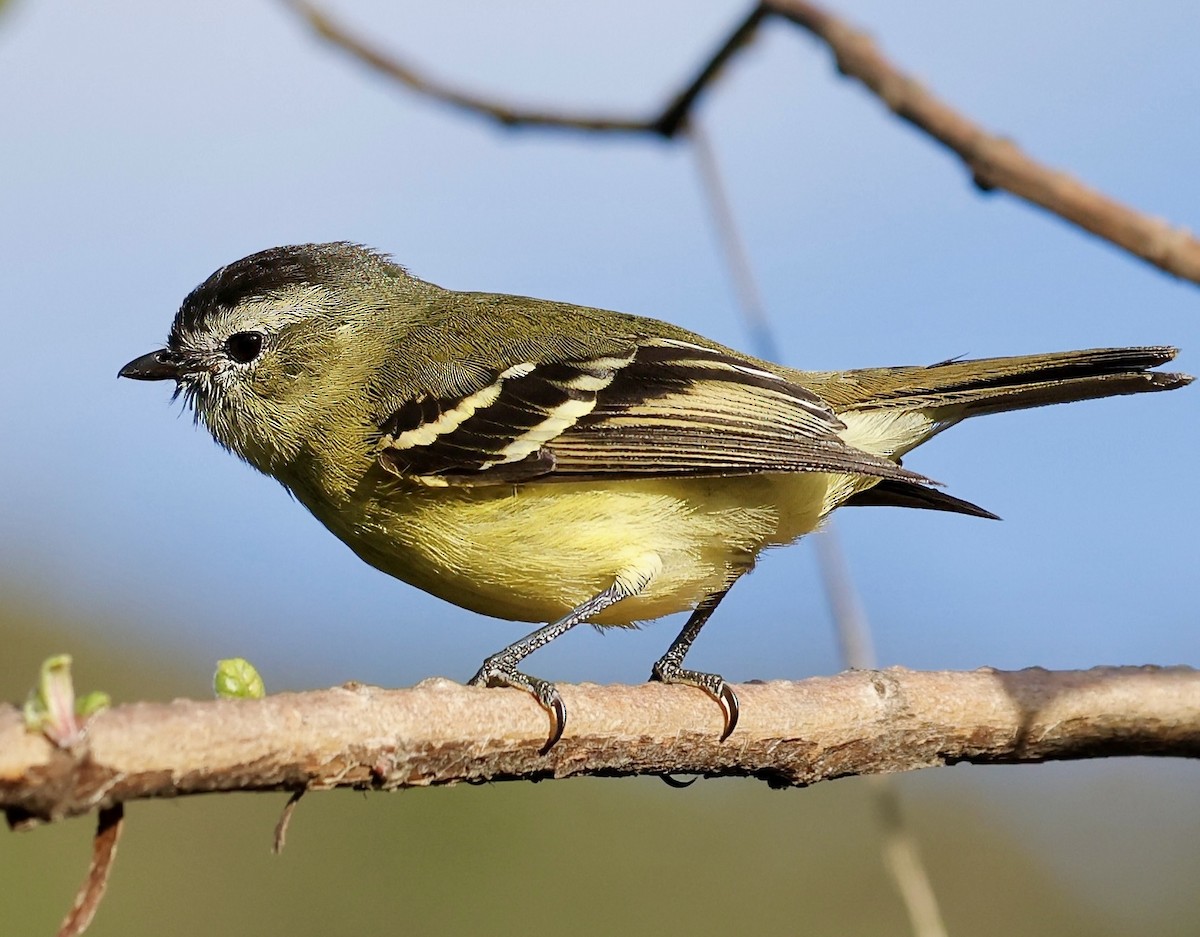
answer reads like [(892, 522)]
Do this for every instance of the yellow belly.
[(533, 552)]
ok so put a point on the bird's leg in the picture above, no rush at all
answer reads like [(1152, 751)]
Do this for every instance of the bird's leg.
[(668, 669), (501, 668)]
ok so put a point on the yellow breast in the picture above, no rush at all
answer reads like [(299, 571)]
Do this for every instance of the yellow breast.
[(533, 552)]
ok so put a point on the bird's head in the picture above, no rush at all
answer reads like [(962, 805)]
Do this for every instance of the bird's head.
[(269, 349)]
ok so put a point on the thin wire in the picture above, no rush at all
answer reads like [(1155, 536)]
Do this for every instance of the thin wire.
[(901, 857)]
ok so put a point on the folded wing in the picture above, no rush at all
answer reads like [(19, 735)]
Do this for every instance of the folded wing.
[(660, 407)]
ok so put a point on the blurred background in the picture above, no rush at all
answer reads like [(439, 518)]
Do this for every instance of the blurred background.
[(147, 144)]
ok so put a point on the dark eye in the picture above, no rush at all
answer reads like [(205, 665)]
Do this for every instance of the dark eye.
[(243, 347)]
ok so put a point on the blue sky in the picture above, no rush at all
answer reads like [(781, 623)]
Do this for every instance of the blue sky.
[(146, 145)]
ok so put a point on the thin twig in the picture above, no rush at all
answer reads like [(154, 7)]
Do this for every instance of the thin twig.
[(860, 722), (666, 123), (104, 850), (901, 858), (676, 114), (904, 864), (853, 629), (733, 245), (994, 161), (285, 820)]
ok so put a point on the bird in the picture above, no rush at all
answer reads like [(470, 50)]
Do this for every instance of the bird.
[(556, 464)]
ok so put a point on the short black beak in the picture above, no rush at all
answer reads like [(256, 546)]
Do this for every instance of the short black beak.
[(156, 366)]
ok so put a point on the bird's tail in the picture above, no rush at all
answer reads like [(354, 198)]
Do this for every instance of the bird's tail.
[(955, 390), (888, 411)]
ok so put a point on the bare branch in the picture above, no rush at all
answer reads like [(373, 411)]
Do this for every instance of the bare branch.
[(901, 857), (995, 162), (676, 114), (439, 732), (665, 124)]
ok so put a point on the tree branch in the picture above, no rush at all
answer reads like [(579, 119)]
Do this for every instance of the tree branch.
[(995, 162), (510, 115), (860, 722)]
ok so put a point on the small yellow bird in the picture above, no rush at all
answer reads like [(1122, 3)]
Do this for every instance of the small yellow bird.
[(544, 462)]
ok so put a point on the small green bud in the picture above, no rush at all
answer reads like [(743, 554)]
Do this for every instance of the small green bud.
[(52, 708), (236, 678), (91, 703)]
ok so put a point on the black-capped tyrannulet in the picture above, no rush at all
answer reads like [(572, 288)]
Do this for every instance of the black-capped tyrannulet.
[(544, 462)]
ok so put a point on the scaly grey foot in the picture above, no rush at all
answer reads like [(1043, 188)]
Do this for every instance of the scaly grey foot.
[(668, 670), (501, 670)]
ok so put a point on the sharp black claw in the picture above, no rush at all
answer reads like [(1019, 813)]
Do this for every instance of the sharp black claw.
[(558, 721), (731, 709), (671, 781)]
